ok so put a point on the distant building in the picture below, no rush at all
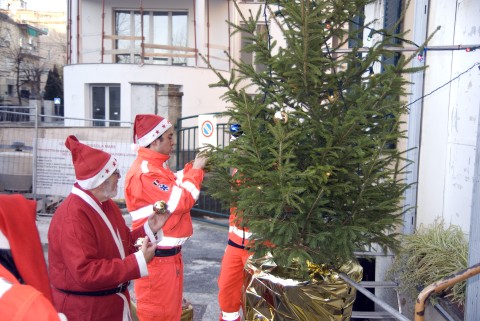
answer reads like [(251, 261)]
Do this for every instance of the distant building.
[(20, 71), (51, 38)]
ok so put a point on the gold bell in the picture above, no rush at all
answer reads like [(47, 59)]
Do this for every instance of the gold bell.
[(160, 207), (139, 242)]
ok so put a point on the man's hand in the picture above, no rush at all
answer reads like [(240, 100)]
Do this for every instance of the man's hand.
[(156, 221), (148, 249), (200, 161)]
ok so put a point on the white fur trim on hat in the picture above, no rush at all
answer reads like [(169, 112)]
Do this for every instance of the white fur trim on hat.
[(101, 176), (4, 244), (156, 132)]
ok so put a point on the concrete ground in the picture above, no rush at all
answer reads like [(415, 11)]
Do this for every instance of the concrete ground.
[(202, 255)]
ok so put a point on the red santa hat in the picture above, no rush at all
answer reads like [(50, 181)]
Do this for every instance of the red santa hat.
[(92, 166), (19, 234), (147, 128)]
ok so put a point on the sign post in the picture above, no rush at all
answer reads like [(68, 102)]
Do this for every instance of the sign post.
[(57, 101), (207, 126)]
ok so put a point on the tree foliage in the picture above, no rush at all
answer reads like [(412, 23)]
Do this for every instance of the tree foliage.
[(319, 175), (54, 85)]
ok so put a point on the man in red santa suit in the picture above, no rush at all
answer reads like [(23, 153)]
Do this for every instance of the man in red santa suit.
[(149, 179), (25, 293), (92, 255)]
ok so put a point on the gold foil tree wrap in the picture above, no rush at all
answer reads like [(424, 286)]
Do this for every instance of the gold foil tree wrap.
[(270, 295)]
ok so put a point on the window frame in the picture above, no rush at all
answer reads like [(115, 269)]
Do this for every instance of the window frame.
[(107, 109), (134, 56)]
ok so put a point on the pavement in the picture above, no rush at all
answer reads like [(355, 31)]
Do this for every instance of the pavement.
[(202, 255)]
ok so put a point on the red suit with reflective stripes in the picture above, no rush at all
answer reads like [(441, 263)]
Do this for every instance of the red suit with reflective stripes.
[(230, 281), (20, 302), (159, 296)]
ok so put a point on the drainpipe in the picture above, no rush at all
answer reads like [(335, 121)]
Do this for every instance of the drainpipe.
[(69, 32), (208, 30), (229, 35), (195, 31), (419, 35), (78, 31), (103, 30), (143, 36)]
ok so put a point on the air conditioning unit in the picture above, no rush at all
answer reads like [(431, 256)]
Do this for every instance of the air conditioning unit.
[(16, 170)]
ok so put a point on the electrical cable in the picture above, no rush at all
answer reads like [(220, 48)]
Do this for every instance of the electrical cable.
[(448, 82), (421, 56)]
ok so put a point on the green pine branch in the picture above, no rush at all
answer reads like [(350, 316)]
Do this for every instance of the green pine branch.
[(319, 172)]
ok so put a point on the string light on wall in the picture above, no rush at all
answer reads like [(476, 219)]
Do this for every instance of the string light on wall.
[(421, 55)]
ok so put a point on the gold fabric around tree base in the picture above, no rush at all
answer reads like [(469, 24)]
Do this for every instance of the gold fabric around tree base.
[(269, 297)]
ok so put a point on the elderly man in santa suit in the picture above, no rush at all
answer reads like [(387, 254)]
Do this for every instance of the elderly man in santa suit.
[(92, 254), (159, 296), (25, 293)]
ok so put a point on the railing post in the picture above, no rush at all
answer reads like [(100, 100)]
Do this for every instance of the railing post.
[(394, 313), (35, 144)]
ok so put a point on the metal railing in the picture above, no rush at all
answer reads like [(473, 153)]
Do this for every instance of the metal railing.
[(437, 287), (441, 285)]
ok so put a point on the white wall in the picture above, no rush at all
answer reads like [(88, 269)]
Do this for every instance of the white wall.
[(198, 97), (216, 34), (450, 117)]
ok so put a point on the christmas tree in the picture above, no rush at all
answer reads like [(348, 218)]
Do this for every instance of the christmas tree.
[(318, 172)]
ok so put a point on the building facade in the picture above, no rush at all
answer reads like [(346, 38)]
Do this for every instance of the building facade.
[(41, 38), (121, 54), (21, 63)]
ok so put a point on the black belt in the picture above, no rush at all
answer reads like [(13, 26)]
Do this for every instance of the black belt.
[(168, 252), (119, 289), (238, 246)]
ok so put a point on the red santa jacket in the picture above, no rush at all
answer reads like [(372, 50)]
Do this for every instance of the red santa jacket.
[(20, 302), (150, 180), (84, 256)]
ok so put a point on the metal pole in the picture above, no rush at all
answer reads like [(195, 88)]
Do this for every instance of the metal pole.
[(395, 314), (103, 30), (411, 49), (415, 120), (195, 32), (472, 309), (35, 147)]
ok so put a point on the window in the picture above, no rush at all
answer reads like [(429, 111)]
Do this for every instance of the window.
[(248, 56), (392, 14), (356, 25), (105, 104), (167, 28)]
